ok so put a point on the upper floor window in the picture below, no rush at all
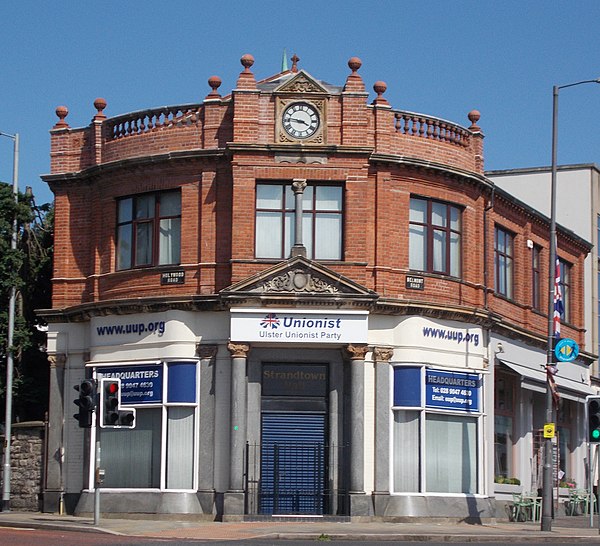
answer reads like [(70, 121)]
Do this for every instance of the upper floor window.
[(536, 278), (565, 289), (434, 237), (149, 230), (503, 262), (322, 220)]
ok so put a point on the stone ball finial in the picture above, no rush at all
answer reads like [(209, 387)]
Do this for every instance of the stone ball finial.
[(62, 112), (214, 82), (354, 64), (474, 116), (100, 105), (379, 87), (247, 61)]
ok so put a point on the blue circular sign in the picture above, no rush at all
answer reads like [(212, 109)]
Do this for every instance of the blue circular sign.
[(566, 350)]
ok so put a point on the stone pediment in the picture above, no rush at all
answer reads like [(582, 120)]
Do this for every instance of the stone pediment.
[(298, 277), (301, 83)]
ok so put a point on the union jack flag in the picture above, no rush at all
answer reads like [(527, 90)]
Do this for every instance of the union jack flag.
[(558, 303), (270, 321)]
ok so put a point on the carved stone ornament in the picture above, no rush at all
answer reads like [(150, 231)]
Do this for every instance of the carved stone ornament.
[(238, 350), (298, 280), (356, 352), (299, 185), (57, 360), (284, 138), (383, 354), (206, 352), (302, 84)]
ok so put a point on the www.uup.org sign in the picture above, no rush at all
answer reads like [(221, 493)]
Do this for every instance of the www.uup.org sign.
[(295, 326)]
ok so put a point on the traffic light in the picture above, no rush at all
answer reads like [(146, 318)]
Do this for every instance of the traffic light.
[(593, 419), (126, 418), (111, 399), (86, 402), (111, 413)]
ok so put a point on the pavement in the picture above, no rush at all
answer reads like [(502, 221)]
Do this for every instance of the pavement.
[(565, 529)]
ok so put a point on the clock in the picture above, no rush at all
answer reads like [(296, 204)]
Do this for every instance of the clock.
[(300, 120)]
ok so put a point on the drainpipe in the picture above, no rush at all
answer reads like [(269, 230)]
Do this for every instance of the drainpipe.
[(489, 206)]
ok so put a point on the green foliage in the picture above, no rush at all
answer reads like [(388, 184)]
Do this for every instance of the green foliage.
[(29, 270), (507, 481)]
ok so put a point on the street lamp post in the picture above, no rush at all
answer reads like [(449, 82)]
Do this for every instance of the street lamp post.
[(547, 496), (9, 342)]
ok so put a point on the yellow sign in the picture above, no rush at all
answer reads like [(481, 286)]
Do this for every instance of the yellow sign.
[(549, 430)]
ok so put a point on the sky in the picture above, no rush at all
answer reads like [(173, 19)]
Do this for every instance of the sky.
[(442, 58)]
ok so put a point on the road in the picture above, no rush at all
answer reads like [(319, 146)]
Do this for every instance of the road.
[(37, 537)]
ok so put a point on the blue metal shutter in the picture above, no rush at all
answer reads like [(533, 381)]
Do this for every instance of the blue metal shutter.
[(293, 463)]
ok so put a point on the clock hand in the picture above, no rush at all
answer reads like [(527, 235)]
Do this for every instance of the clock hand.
[(298, 120)]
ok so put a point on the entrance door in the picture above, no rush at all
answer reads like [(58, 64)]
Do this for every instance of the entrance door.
[(293, 463)]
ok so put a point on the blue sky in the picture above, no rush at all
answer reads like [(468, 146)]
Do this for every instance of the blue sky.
[(438, 57)]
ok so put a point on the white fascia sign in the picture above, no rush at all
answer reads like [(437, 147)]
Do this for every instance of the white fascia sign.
[(298, 326)]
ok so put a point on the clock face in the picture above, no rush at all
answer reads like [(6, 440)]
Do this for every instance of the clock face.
[(300, 120)]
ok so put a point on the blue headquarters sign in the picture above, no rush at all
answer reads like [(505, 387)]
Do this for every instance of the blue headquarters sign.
[(141, 384), (452, 391), (566, 350)]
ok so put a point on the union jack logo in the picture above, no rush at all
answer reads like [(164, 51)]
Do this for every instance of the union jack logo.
[(270, 321)]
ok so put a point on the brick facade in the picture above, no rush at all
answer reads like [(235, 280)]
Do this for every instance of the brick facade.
[(217, 151)]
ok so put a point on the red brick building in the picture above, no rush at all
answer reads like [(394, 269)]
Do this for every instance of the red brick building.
[(303, 293)]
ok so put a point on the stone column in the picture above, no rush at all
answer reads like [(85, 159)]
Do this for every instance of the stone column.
[(206, 488), (359, 503), (234, 498), (298, 186), (54, 486), (382, 357)]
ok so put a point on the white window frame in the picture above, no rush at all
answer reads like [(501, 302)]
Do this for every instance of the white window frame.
[(164, 405), (481, 454)]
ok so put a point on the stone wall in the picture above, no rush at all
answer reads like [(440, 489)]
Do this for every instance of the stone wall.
[(27, 465)]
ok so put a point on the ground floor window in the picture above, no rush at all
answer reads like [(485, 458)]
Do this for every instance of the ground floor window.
[(451, 453), (436, 435), (131, 457), (503, 443), (159, 452), (566, 415)]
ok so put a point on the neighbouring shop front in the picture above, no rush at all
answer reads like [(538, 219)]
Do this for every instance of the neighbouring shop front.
[(520, 415)]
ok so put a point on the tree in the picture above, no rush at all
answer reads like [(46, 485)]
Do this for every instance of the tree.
[(29, 269)]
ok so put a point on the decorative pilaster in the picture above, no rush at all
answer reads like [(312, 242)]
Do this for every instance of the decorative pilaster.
[(354, 100), (206, 487), (245, 104), (382, 357), (384, 120), (54, 480), (356, 355), (213, 114), (99, 105), (476, 139), (234, 498)]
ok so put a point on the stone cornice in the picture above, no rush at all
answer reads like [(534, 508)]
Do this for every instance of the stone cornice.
[(440, 168), (299, 147), (392, 307), (133, 162)]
